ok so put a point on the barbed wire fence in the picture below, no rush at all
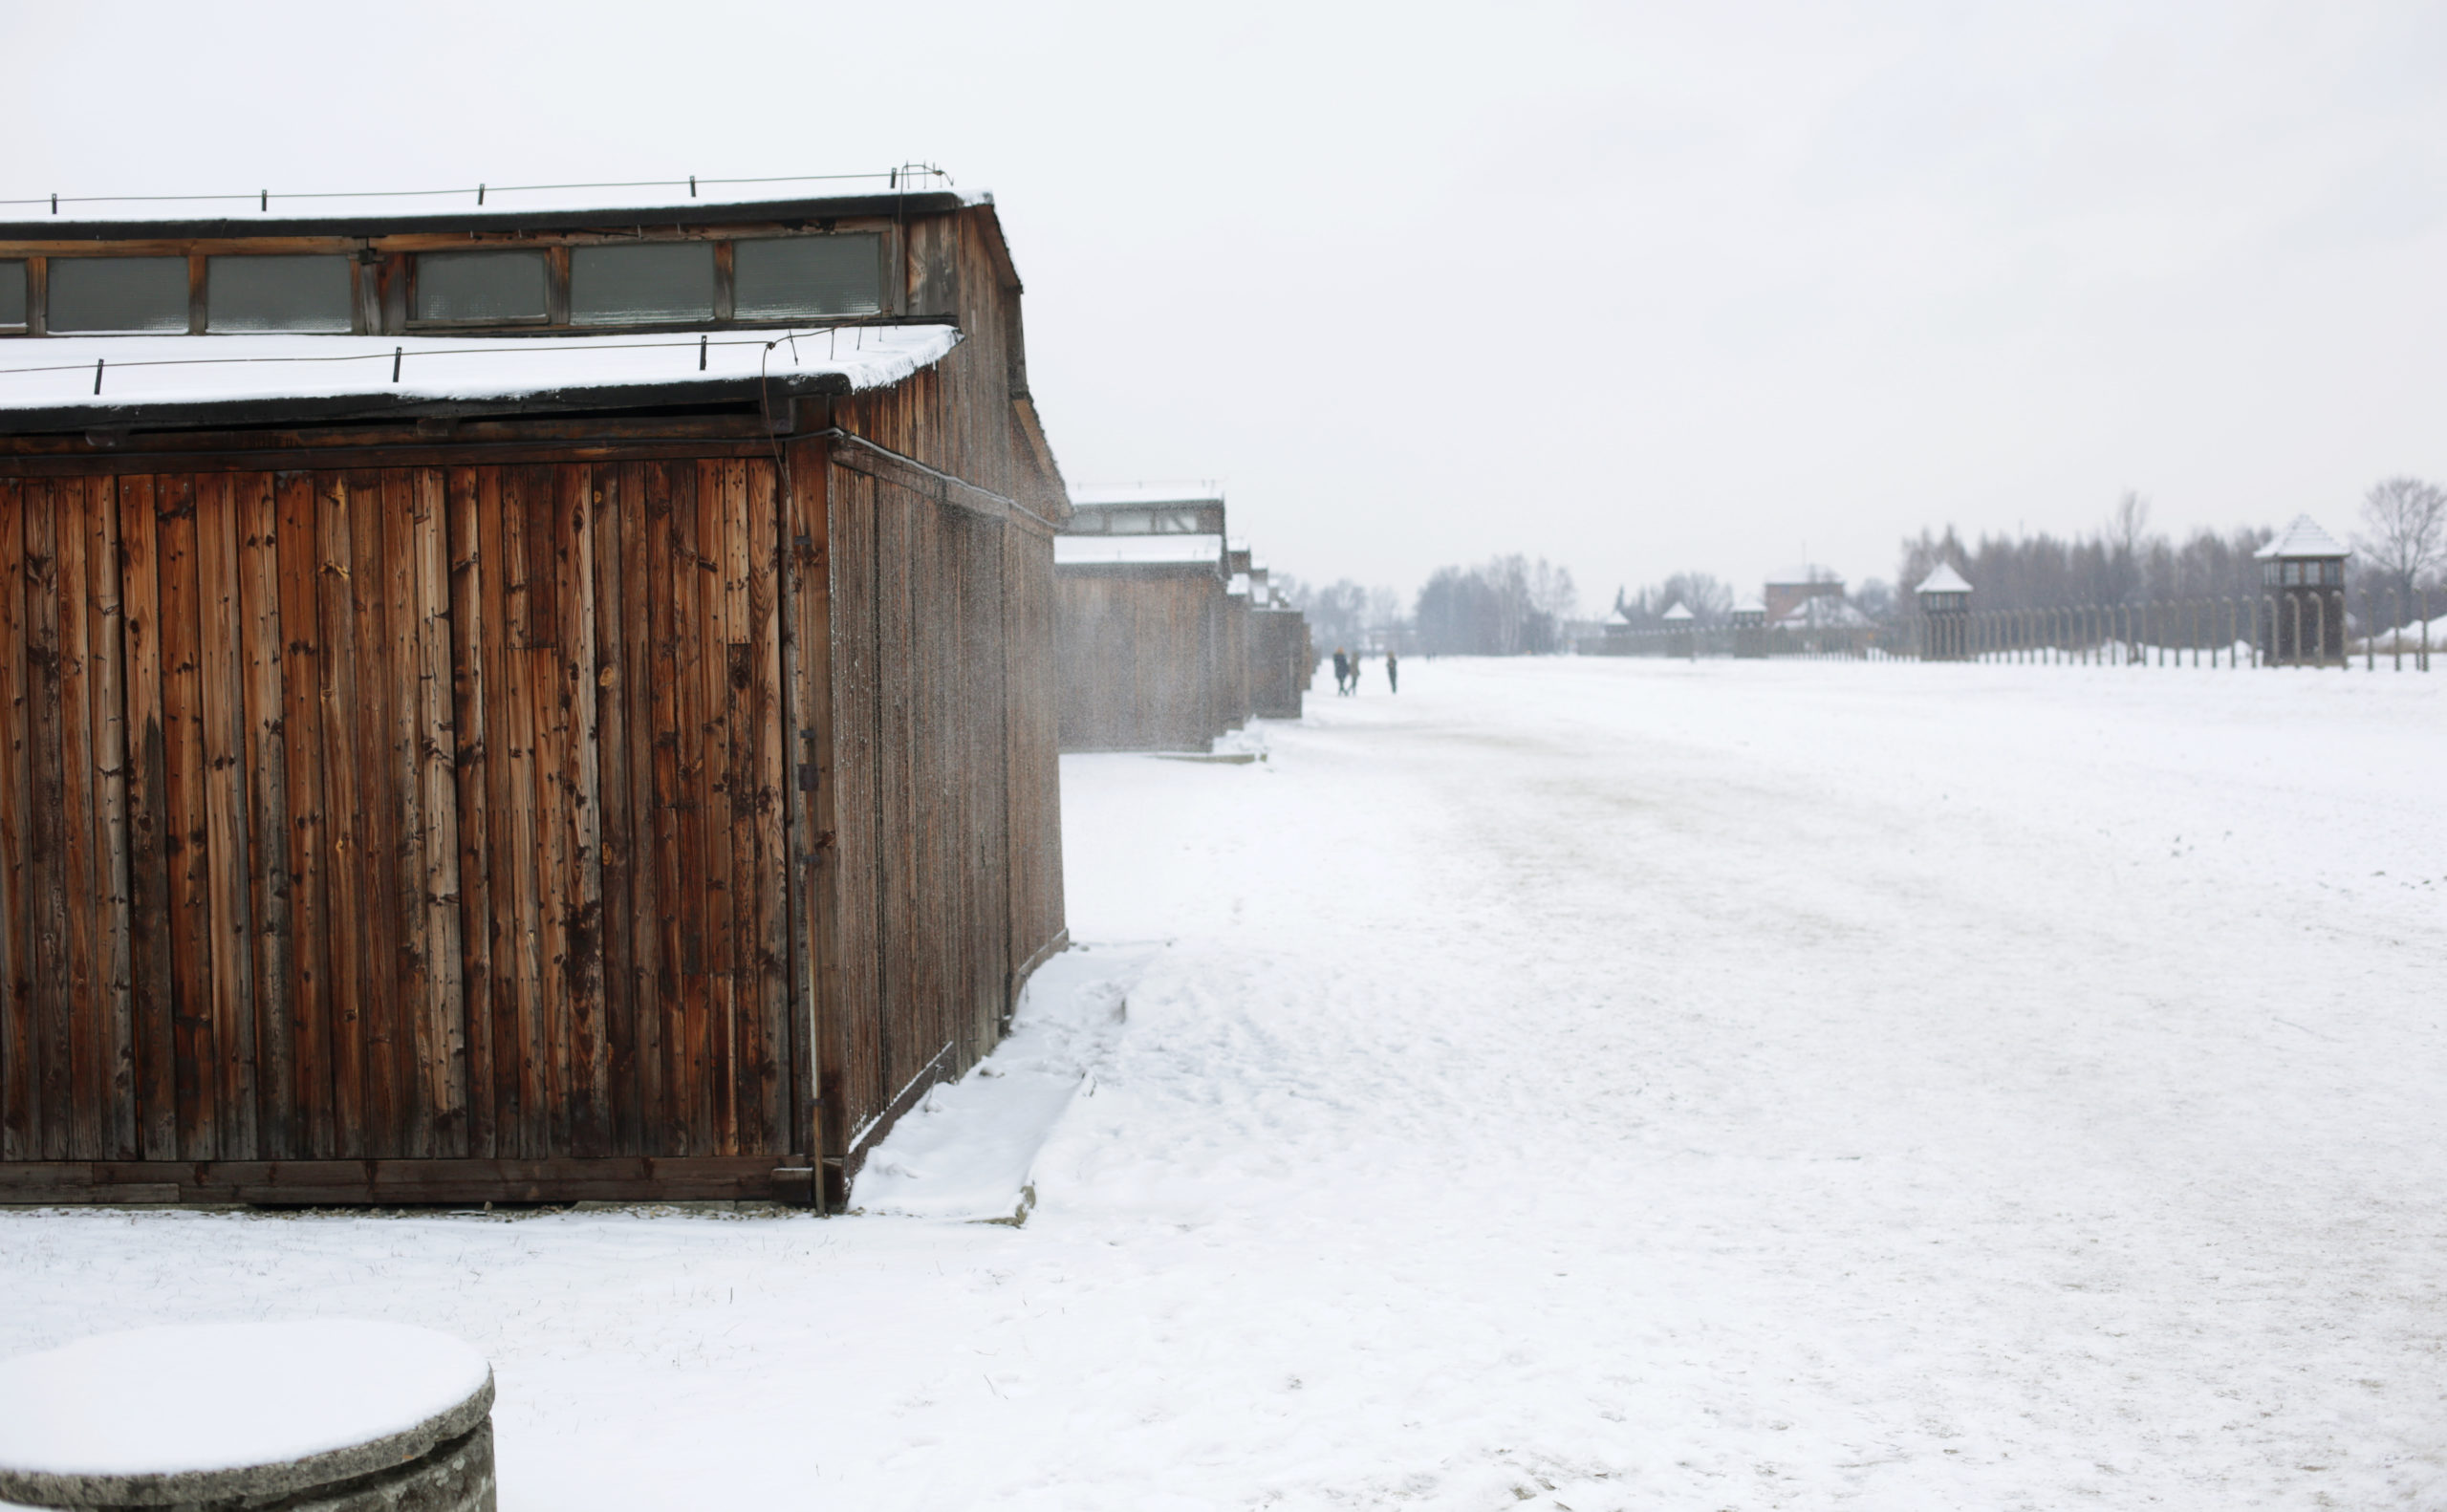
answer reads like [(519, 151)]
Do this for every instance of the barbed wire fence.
[(2316, 628)]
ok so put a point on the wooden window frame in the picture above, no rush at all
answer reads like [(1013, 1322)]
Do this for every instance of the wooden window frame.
[(143, 251), (25, 327), (886, 303), (383, 276), (556, 292)]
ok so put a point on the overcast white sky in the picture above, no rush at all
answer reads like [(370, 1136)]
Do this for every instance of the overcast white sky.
[(1637, 289)]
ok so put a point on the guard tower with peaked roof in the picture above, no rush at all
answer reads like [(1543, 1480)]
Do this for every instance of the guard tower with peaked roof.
[(1945, 615), (1750, 629), (2302, 576), (1681, 632)]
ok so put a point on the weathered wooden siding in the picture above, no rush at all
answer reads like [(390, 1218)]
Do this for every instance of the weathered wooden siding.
[(1278, 651), (941, 885), (1232, 657), (1140, 655), (597, 818), (410, 814)]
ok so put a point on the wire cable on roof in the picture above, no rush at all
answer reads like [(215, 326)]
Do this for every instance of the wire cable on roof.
[(263, 197), (398, 353)]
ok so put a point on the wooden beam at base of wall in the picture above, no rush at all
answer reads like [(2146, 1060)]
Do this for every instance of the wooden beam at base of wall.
[(358, 1182)]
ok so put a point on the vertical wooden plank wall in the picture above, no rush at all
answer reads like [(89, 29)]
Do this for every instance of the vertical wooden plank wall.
[(1140, 653), (1032, 734), (406, 813), (424, 813), (939, 858), (1278, 671)]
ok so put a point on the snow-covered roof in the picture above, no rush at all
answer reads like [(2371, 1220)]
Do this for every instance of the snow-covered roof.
[(1239, 586), (276, 213), (1750, 604), (2302, 538), (1945, 580), (1823, 612), (1089, 496), (56, 376), (1137, 550), (1675, 613)]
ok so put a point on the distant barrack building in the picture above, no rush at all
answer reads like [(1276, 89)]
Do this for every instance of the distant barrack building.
[(514, 702), (1789, 588), (1164, 641)]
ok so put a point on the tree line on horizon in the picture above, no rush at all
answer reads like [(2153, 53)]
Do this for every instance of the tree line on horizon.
[(1517, 606), (1505, 606)]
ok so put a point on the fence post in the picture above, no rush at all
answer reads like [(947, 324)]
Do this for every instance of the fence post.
[(2424, 662), (2370, 647)]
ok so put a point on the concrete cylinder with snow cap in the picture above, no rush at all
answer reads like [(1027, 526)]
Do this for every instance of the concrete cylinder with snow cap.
[(325, 1415)]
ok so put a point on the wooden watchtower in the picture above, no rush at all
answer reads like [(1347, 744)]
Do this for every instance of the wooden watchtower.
[(2302, 574), (1749, 620), (1945, 615), (1681, 632)]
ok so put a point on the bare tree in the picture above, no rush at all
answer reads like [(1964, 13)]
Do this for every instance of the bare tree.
[(2127, 541), (1706, 596), (1551, 591), (2406, 523), (2129, 527), (1504, 606)]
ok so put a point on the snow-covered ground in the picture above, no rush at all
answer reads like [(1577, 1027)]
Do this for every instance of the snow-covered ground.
[(1582, 1083)]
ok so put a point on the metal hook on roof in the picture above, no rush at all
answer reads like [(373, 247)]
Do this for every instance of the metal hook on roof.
[(479, 194), (97, 373), (396, 354), (692, 185), (267, 200), (701, 352)]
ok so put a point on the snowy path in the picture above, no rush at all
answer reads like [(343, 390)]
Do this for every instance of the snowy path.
[(1595, 1085)]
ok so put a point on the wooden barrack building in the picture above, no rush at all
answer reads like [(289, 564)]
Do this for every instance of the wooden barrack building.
[(559, 703), (1282, 662), (1146, 622)]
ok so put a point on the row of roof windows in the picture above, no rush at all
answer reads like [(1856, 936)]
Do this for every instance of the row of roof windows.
[(1191, 521), (639, 283)]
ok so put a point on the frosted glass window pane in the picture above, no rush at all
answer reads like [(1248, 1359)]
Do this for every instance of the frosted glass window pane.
[(12, 293), (480, 286), (278, 293), (659, 281), (118, 293), (789, 277)]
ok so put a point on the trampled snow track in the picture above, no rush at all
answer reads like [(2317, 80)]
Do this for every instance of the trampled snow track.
[(1586, 1084)]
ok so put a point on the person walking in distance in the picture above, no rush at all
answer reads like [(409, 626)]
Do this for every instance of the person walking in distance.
[(1393, 672), (1342, 671)]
